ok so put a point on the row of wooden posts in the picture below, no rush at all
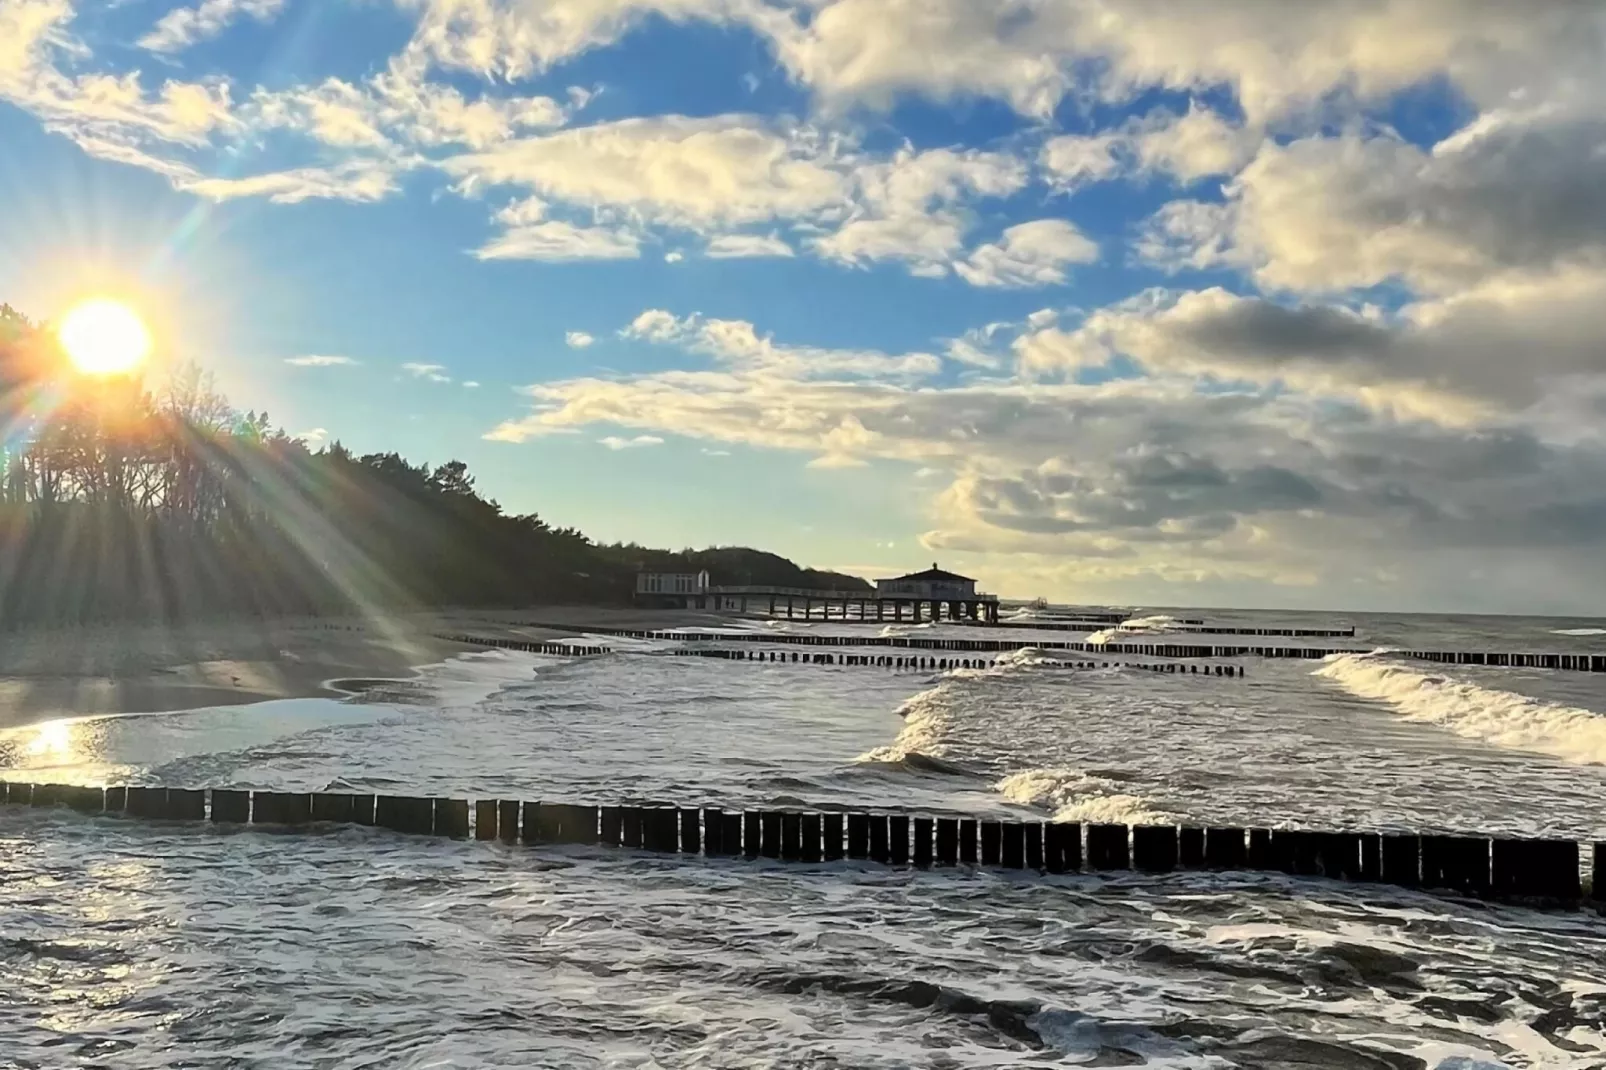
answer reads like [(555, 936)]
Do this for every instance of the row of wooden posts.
[(852, 660), (887, 661), (1192, 627), (1574, 662), (1542, 871)]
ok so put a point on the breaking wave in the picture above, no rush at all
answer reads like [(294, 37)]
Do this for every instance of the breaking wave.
[(1499, 717), (1158, 624), (1579, 631), (1072, 795)]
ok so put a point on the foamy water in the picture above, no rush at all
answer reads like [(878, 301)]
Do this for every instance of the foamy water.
[(138, 946)]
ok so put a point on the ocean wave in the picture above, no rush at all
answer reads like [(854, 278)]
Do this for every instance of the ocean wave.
[(924, 733), (1158, 624), (1579, 631), (1026, 659), (1073, 795), (1500, 717)]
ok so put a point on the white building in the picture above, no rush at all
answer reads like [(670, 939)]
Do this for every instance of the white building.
[(932, 585), (672, 583)]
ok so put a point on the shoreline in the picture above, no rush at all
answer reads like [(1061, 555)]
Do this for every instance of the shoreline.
[(101, 670)]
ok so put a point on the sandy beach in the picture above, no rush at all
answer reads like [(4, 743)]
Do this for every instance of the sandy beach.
[(110, 669)]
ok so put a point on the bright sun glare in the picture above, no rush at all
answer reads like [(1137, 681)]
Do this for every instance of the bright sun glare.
[(104, 337)]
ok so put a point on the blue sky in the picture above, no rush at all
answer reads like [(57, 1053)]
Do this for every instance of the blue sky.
[(1219, 302)]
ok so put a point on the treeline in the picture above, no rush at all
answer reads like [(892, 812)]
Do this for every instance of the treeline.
[(119, 502)]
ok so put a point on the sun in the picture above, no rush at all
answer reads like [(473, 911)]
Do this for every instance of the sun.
[(104, 337)]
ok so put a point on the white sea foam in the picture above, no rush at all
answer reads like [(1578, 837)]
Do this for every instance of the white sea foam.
[(1077, 796), (925, 726), (1579, 631), (1499, 717), (1159, 624)]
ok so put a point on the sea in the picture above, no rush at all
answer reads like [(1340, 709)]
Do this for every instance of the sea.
[(133, 945)]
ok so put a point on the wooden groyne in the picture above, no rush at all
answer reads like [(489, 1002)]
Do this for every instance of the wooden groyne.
[(1191, 628), (1541, 872), (1570, 662), (887, 661), (882, 661)]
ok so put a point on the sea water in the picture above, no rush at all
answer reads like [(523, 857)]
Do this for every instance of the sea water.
[(135, 945)]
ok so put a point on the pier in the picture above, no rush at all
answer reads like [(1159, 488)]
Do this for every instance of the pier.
[(1537, 872)]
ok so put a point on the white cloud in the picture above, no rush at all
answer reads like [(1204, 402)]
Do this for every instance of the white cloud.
[(578, 339), (733, 246), (470, 384), (738, 344), (1029, 254), (614, 442), (434, 373), (359, 182), (510, 40), (320, 361), (1278, 58), (1521, 190), (926, 242), (674, 257), (184, 26), (557, 240), (1073, 160), (668, 169), (315, 437)]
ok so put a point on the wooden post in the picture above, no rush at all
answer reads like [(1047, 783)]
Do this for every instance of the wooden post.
[(630, 824), (1401, 858), (451, 818), (730, 833), (230, 806), (1535, 869), (186, 804), (1012, 848), (769, 844), (1260, 852), (142, 801), (1190, 847), (750, 834), (19, 793), (1456, 863), (1063, 847), (880, 847), (1340, 855), (507, 820), (832, 847), (613, 825), (898, 839), (714, 834), (1107, 847), (1154, 848), (992, 838), (691, 829), (1034, 846), (399, 813), (809, 827), (87, 800), (331, 807), (486, 814), (858, 836), (792, 836), (1226, 849), (661, 830), (947, 841), (968, 832)]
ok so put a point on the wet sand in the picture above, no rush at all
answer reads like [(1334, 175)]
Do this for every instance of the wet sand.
[(153, 668)]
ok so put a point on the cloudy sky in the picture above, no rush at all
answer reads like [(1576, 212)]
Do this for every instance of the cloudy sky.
[(1209, 302)]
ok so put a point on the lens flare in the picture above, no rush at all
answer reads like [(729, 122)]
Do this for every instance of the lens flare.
[(104, 337)]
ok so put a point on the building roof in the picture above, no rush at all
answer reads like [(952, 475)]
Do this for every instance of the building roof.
[(936, 575)]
